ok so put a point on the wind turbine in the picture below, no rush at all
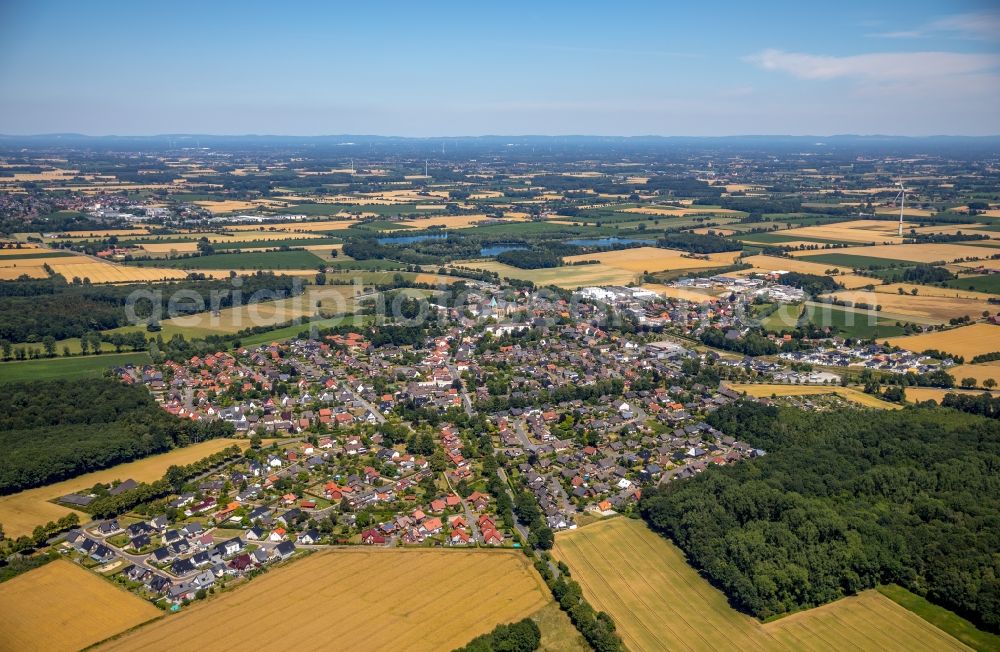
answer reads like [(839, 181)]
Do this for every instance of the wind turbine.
[(901, 195)]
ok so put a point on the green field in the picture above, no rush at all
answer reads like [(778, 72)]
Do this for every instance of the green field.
[(290, 332), (73, 367), (854, 261), (986, 283), (367, 265), (293, 259), (256, 244), (851, 324)]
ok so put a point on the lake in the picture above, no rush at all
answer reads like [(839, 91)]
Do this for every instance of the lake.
[(407, 239)]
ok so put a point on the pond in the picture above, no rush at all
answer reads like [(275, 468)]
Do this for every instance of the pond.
[(496, 249)]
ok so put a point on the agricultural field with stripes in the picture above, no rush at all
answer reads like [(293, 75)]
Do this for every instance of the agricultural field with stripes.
[(659, 602)]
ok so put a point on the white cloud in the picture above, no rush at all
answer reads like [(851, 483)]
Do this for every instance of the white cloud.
[(885, 66)]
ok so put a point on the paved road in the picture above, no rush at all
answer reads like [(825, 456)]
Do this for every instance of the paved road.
[(371, 408)]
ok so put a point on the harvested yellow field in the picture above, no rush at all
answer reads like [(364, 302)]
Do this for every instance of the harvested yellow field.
[(712, 229), (985, 264), (919, 394), (570, 277), (654, 259), (980, 372), (21, 512), (61, 606), (449, 221), (931, 291), (105, 272), (894, 210), (775, 264), (296, 227), (674, 211), (659, 602), (917, 253), (867, 621), (435, 279), (231, 205), (350, 599), (13, 272), (940, 308), (169, 247), (866, 231), (102, 233), (681, 293), (966, 341), (847, 393)]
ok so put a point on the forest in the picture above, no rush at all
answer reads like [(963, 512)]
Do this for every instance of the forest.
[(698, 244), (841, 502), (58, 429)]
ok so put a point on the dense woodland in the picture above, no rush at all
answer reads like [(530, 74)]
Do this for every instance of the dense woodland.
[(33, 310), (841, 502), (58, 429)]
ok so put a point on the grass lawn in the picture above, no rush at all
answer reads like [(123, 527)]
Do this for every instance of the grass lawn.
[(854, 261), (941, 618), (293, 259), (73, 367), (289, 332)]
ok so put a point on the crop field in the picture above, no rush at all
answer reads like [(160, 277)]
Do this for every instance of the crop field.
[(61, 606), (937, 308), (918, 394), (10, 273), (854, 322), (848, 261), (233, 205), (296, 227), (857, 231), (21, 512), (654, 259), (316, 299), (681, 293), (659, 602), (566, 277), (672, 211), (448, 221), (847, 393), (989, 283), (952, 292), (916, 253), (980, 372), (349, 599), (264, 260), (966, 341), (772, 263), (73, 367), (105, 272)]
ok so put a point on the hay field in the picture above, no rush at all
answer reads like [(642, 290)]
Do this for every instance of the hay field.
[(21, 512), (570, 277), (933, 291), (12, 273), (869, 231), (659, 602), (349, 599), (774, 264), (669, 292), (328, 299), (894, 210), (980, 372), (966, 341), (232, 205), (917, 253), (987, 264), (295, 227), (448, 221), (654, 259), (917, 394), (847, 393), (940, 308), (61, 606), (106, 272)]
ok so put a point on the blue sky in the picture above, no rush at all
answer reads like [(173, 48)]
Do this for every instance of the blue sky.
[(440, 68)]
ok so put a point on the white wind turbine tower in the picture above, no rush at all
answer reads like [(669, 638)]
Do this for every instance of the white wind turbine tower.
[(901, 195)]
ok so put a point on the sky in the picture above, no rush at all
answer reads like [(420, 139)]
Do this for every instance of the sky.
[(897, 67)]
